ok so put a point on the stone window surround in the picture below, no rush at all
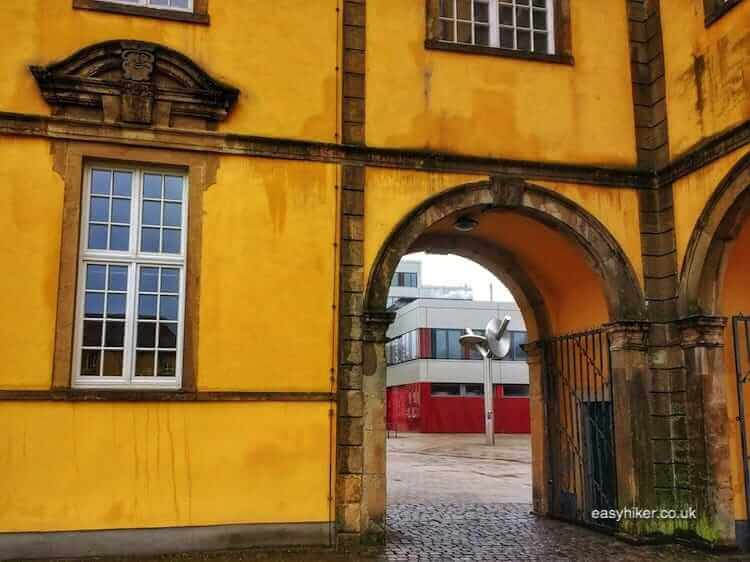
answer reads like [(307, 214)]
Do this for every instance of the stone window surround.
[(71, 160), (562, 37), (199, 14), (714, 10)]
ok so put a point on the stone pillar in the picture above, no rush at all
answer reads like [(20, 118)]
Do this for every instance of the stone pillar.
[(702, 341), (630, 390), (374, 366), (540, 468)]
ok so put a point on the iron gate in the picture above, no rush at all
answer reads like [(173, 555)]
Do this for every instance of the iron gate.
[(580, 417), (741, 338)]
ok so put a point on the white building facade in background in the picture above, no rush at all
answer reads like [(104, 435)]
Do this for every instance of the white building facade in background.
[(434, 384)]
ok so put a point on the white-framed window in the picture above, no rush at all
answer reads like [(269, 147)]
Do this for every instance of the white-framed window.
[(179, 5), (519, 25), (131, 278)]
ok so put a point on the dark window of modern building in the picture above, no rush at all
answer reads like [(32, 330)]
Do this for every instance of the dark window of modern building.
[(517, 340), (403, 348), (446, 344), (473, 390), (515, 390), (446, 389), (405, 279)]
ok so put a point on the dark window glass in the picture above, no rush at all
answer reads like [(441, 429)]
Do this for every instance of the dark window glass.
[(517, 352), (515, 390), (473, 390), (446, 389)]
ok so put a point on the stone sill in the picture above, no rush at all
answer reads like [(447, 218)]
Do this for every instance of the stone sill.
[(141, 11), (436, 45), (719, 13)]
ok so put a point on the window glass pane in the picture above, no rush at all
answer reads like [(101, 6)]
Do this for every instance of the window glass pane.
[(152, 186), (115, 334), (524, 40), (441, 344), (173, 188), (95, 276), (101, 181), (540, 43), (463, 32), (540, 19), (539, 3), (123, 183), (523, 17), (168, 308), (144, 364), (454, 346), (121, 210), (506, 38), (99, 209), (116, 305), (172, 214), (515, 390), (167, 335), (158, 3), (149, 281), (170, 280), (150, 240), (92, 333), (112, 364), (446, 389), (482, 35), (446, 8), (506, 15), (90, 359), (447, 30), (474, 390), (146, 334), (94, 305), (147, 307), (119, 238), (519, 339), (151, 213), (171, 242), (97, 237), (118, 278), (167, 364), (463, 9)]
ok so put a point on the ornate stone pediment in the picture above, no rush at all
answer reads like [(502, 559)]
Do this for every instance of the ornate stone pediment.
[(135, 82)]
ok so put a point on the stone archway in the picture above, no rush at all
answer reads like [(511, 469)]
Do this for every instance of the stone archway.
[(707, 342), (361, 496)]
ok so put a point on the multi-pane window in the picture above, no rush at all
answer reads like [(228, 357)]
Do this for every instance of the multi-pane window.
[(403, 348), (456, 389), (404, 279), (519, 25), (515, 391), (181, 5), (132, 278)]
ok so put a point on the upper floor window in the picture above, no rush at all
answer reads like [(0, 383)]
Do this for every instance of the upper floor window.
[(130, 305), (519, 25), (405, 279), (182, 5)]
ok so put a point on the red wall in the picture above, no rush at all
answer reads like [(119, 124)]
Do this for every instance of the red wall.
[(411, 407)]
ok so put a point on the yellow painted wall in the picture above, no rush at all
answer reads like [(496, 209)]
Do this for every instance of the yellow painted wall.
[(268, 277), (498, 106), (708, 85), (691, 194), (73, 466), (617, 209), (735, 299), (242, 46), (31, 201)]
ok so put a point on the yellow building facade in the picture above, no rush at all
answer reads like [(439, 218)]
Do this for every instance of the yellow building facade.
[(203, 205)]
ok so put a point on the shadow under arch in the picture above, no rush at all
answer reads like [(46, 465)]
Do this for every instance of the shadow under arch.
[(717, 227), (620, 284)]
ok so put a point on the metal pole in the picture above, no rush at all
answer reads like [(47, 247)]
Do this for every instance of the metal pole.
[(489, 418)]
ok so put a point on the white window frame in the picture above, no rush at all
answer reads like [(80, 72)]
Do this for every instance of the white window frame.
[(494, 25), (134, 259), (148, 4)]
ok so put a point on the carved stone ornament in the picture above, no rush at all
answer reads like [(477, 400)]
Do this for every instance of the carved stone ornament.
[(135, 82)]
